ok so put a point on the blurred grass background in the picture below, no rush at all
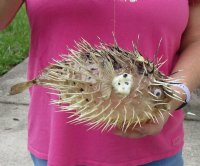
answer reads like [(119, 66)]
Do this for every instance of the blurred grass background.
[(14, 42)]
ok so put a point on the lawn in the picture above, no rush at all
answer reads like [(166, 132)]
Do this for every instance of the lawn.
[(14, 42)]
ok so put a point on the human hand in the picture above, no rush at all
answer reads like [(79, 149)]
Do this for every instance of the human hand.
[(152, 127), (149, 128)]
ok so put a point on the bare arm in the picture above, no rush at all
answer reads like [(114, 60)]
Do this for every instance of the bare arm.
[(189, 60), (8, 9)]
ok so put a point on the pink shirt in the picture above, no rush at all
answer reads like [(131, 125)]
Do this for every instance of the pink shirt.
[(55, 25)]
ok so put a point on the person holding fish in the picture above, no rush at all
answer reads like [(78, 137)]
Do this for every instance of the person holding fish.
[(55, 24)]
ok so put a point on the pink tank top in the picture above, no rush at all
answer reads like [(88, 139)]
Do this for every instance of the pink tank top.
[(56, 25)]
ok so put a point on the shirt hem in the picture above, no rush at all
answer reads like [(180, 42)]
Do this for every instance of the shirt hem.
[(98, 163), (137, 162), (38, 154)]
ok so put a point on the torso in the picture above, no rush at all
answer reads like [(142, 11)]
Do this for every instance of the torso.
[(57, 24)]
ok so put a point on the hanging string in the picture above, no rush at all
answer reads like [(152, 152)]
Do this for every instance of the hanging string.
[(114, 17), (114, 22)]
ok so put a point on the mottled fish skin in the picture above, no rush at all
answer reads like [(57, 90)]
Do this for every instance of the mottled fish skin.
[(107, 86)]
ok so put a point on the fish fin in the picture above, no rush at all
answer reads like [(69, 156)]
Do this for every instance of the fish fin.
[(20, 87)]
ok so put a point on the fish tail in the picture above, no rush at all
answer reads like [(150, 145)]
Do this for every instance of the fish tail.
[(19, 88)]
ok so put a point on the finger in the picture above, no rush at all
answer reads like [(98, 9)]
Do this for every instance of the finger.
[(136, 135), (130, 134), (150, 129)]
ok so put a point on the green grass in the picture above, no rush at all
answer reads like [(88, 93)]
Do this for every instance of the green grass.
[(14, 42)]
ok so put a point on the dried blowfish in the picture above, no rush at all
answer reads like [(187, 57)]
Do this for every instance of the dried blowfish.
[(106, 86)]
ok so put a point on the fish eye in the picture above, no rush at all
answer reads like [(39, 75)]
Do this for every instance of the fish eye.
[(157, 92)]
